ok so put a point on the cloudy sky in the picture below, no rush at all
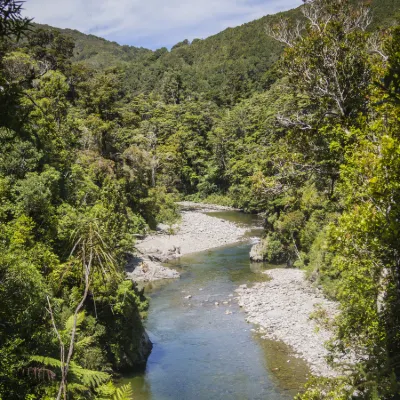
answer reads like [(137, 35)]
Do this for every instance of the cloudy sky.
[(152, 23)]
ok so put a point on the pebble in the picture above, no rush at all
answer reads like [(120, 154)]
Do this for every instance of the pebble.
[(196, 232), (281, 308)]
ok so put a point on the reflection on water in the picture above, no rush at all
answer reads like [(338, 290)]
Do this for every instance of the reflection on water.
[(285, 369), (238, 217), (203, 348)]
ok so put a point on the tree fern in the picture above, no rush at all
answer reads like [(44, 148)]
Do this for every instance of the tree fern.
[(110, 392), (84, 378), (124, 392), (106, 391), (77, 387), (88, 377), (69, 324), (83, 343), (49, 361)]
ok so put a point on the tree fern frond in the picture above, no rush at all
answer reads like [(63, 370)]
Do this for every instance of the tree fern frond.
[(77, 387), (106, 391), (85, 342), (52, 362), (83, 379), (124, 392), (88, 377), (70, 321)]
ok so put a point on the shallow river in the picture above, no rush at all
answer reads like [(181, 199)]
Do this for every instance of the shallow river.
[(204, 350)]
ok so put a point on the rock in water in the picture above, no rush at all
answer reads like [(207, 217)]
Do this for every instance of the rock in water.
[(145, 349), (136, 346), (256, 253), (143, 269)]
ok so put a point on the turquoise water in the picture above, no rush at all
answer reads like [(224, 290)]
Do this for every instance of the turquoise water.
[(207, 351)]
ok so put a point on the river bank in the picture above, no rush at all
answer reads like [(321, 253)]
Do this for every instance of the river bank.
[(196, 232), (283, 308), (203, 347), (280, 308), (205, 206)]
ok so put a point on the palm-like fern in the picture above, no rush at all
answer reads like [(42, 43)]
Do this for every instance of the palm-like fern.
[(90, 247), (123, 393), (81, 379), (110, 392)]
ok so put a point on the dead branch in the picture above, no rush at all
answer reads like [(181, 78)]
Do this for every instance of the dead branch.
[(285, 32)]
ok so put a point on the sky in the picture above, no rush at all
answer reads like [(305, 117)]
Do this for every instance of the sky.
[(152, 23)]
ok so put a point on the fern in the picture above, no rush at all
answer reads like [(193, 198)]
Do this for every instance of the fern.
[(88, 377), (124, 392), (106, 391), (85, 342), (110, 392), (85, 378), (70, 322), (77, 387), (49, 361)]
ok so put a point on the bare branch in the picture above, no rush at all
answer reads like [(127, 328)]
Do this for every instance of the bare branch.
[(285, 32), (297, 122), (318, 15), (375, 45), (360, 18), (314, 13)]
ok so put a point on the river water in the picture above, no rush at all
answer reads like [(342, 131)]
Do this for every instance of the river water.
[(203, 347)]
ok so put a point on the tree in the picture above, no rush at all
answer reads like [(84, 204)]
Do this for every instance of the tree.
[(91, 250), (11, 21), (327, 57), (365, 249), (51, 49)]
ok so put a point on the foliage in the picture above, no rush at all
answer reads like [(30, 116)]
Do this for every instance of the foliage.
[(110, 392), (73, 196), (11, 21), (99, 141)]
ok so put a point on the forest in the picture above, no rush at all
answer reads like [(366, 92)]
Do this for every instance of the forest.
[(295, 116)]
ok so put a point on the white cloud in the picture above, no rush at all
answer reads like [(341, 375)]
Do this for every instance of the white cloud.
[(152, 23)]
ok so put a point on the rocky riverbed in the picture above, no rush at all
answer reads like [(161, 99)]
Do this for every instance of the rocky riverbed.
[(196, 232), (282, 308), (204, 206), (286, 308)]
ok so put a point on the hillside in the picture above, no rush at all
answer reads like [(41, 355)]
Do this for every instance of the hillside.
[(384, 12), (99, 52), (225, 67)]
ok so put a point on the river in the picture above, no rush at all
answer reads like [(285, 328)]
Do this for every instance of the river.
[(203, 347)]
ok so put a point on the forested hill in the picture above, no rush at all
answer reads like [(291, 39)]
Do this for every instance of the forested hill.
[(99, 52), (226, 67)]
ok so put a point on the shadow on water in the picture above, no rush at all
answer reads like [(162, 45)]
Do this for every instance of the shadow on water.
[(203, 347)]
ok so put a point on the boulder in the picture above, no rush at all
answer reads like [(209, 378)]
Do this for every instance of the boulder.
[(257, 253), (144, 349), (148, 270)]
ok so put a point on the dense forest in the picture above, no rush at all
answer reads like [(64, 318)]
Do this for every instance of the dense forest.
[(295, 116)]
